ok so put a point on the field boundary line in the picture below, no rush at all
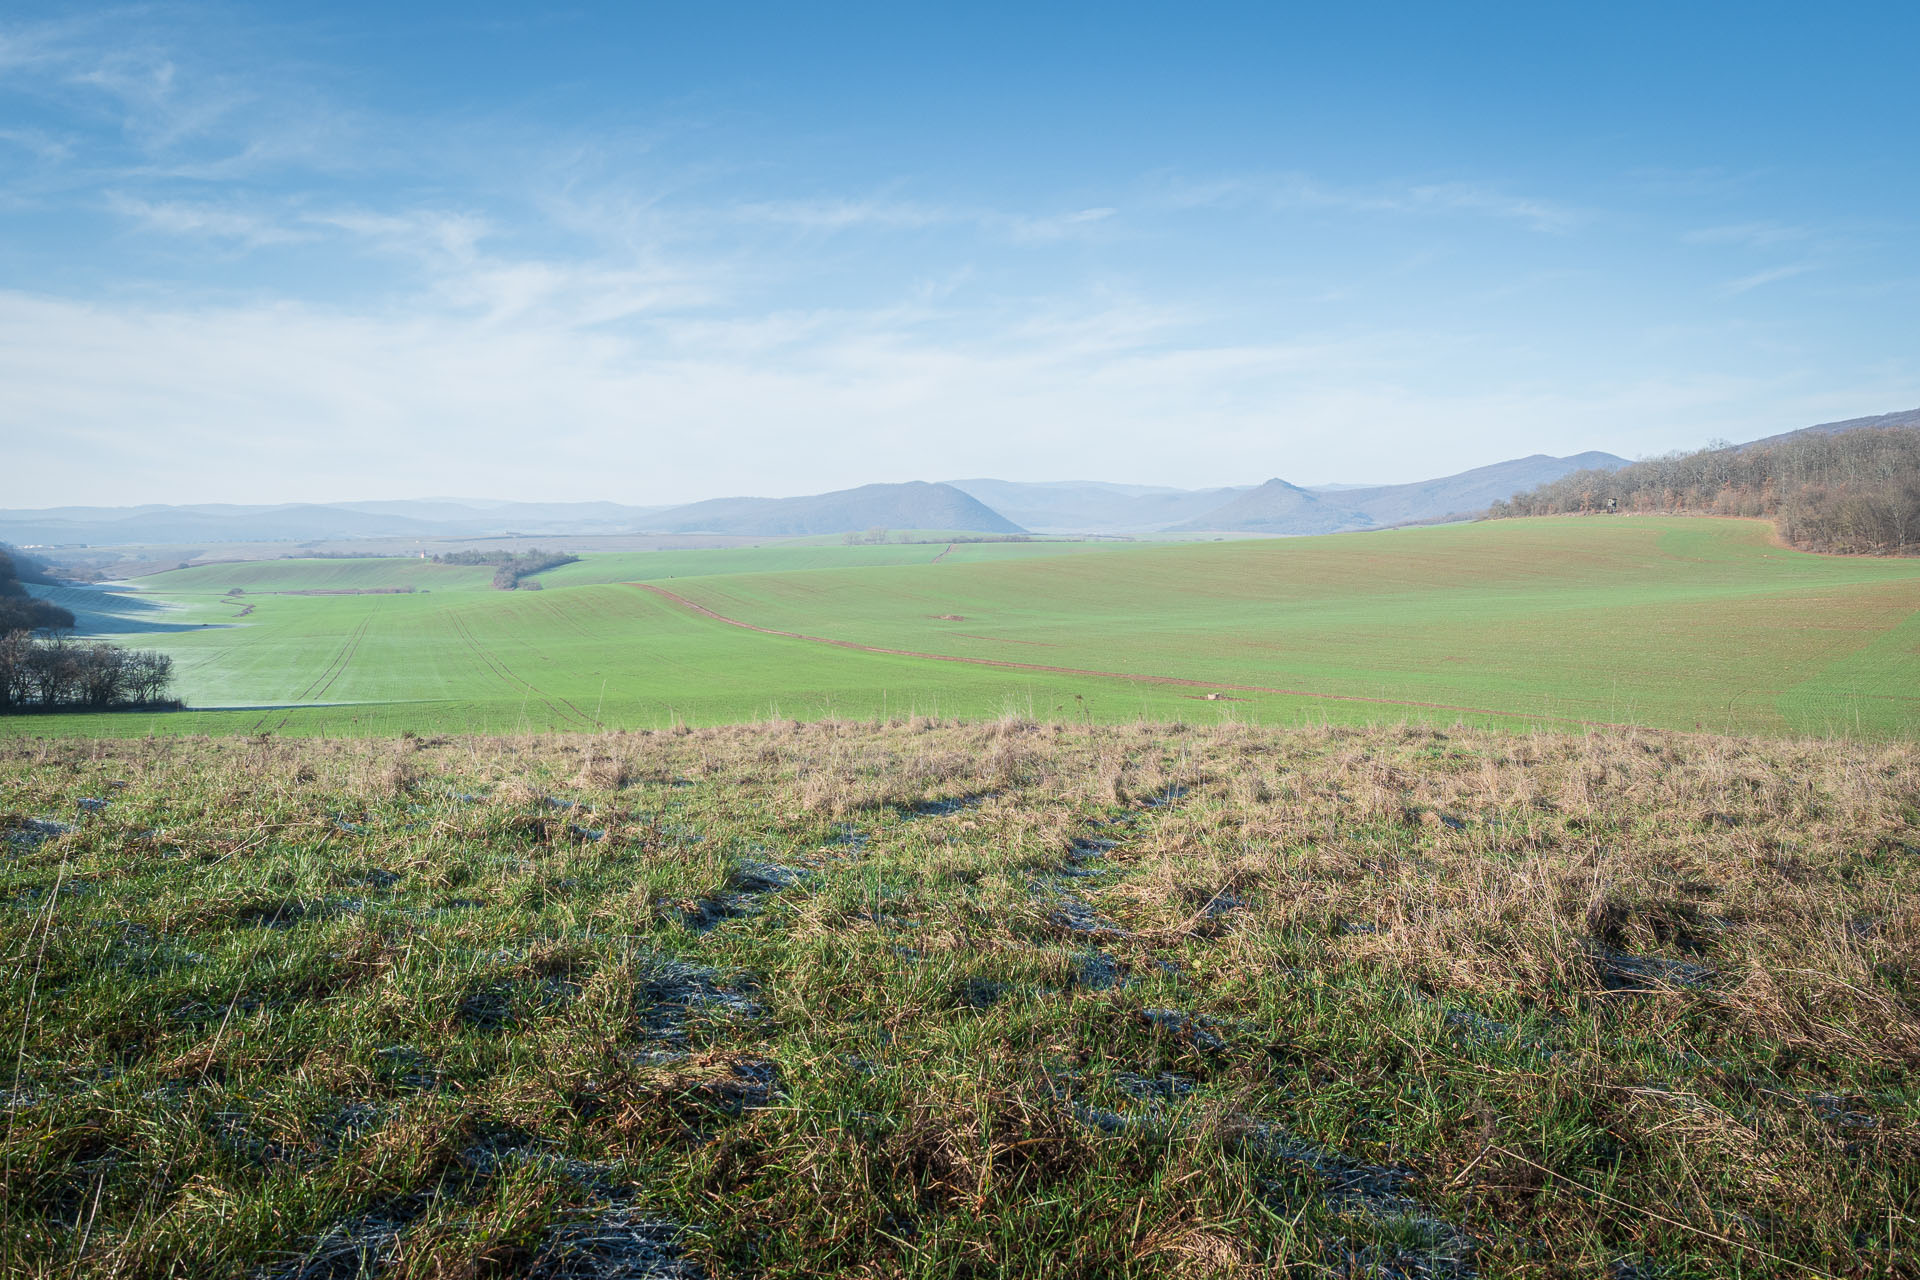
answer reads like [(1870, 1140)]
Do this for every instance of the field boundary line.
[(1180, 682)]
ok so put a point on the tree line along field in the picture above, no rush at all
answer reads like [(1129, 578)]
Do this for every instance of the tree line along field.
[(1689, 624), (938, 1000)]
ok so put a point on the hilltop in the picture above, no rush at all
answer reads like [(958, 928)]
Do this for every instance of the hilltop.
[(1280, 508), (935, 999), (1881, 421), (1088, 506)]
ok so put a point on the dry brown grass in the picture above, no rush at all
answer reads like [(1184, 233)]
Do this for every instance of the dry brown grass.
[(1402, 936)]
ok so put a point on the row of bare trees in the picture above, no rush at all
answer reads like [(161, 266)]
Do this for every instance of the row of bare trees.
[(1850, 491), (47, 672)]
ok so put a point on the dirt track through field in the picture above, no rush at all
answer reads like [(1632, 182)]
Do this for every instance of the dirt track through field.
[(1135, 676)]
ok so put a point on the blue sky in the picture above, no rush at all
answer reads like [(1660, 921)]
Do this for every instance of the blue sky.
[(659, 252)]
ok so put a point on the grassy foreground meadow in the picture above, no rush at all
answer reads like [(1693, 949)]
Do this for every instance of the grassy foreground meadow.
[(1690, 624), (942, 999)]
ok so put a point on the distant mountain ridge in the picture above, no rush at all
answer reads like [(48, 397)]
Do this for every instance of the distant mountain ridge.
[(1904, 418), (1280, 508), (230, 522), (1091, 506), (978, 505), (914, 505)]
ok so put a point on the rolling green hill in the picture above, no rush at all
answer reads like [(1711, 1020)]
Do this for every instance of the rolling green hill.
[(1663, 622)]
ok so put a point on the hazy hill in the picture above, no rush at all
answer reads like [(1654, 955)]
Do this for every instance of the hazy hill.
[(914, 505), (1090, 506), (223, 522), (1282, 508), (482, 515), (1469, 492), (207, 523), (1279, 507), (1906, 418)]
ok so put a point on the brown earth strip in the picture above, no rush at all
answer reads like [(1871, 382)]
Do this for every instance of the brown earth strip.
[(1178, 682)]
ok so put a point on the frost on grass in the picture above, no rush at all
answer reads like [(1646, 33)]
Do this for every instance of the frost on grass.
[(1097, 971), (30, 833), (1076, 916), (750, 882), (1624, 974), (676, 993), (359, 1247), (521, 1048), (1185, 1026), (616, 1245)]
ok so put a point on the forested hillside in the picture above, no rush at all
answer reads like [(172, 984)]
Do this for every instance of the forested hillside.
[(1856, 491), (19, 610)]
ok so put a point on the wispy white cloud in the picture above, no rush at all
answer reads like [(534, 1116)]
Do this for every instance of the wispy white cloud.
[(186, 218), (841, 215), (38, 142), (1752, 235), (165, 97), (1028, 229), (291, 401), (1466, 197), (431, 234), (1293, 191), (1760, 279)]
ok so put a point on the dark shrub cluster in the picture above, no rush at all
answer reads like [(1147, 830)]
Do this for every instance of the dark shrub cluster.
[(509, 567)]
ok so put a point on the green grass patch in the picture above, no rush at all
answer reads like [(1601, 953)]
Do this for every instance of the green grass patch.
[(1691, 624), (944, 999)]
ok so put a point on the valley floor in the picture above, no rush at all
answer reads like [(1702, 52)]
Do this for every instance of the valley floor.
[(1673, 623)]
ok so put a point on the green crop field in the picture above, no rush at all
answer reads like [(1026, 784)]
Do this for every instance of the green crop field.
[(1670, 623)]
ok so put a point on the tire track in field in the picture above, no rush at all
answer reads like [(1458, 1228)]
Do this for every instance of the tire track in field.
[(337, 664), (331, 671), (567, 618), (499, 669), (494, 665), (1136, 677), (333, 658), (571, 620), (352, 652)]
